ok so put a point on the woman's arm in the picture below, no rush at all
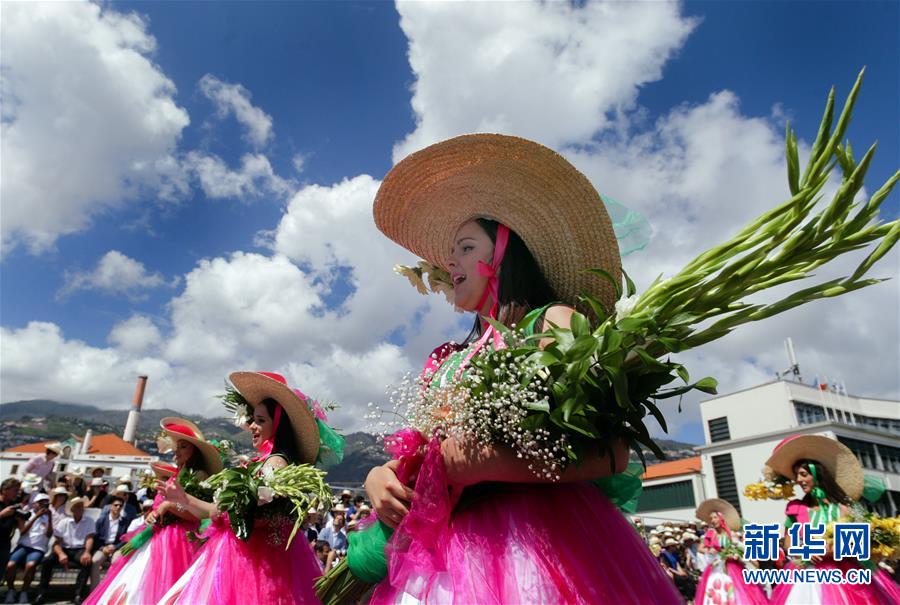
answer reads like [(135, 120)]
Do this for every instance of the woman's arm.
[(469, 463), (182, 502)]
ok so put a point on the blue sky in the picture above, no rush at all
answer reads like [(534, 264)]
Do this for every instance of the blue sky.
[(337, 84)]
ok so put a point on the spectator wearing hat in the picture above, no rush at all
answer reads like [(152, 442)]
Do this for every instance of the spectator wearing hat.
[(130, 504), (683, 581), (97, 493), (108, 536), (76, 481), (10, 516), (74, 540), (42, 464), (58, 498), (34, 537), (691, 552)]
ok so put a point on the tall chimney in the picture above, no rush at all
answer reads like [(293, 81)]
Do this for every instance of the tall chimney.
[(86, 444), (134, 414)]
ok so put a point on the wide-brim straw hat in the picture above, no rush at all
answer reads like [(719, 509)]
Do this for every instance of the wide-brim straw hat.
[(162, 470), (72, 502), (56, 448), (59, 491), (830, 453), (530, 188), (184, 429), (257, 386), (729, 512)]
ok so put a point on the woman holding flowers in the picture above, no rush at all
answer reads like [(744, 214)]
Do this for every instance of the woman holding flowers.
[(250, 554), (722, 582), (161, 552), (832, 481), (514, 224)]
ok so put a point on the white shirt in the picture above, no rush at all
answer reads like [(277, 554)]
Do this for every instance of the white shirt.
[(113, 529), (74, 534), (37, 536)]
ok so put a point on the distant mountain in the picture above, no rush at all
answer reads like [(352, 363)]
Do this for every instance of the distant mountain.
[(42, 420)]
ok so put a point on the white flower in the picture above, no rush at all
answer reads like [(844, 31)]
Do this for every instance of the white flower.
[(265, 494), (625, 305), (268, 472)]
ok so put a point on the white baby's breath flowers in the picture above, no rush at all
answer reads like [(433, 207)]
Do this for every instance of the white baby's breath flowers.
[(492, 415), (264, 494)]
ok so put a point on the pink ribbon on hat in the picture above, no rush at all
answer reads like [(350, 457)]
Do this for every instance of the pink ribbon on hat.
[(492, 290)]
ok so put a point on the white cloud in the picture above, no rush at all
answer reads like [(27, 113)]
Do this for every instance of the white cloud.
[(548, 71), (39, 363), (253, 179), (88, 119), (135, 335), (115, 273), (234, 99)]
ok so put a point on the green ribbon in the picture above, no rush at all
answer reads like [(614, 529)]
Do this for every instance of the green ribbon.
[(138, 540), (331, 446), (365, 553), (873, 488), (817, 492), (623, 489)]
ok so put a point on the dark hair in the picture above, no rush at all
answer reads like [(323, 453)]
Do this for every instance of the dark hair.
[(823, 478), (113, 499), (320, 545), (10, 482), (523, 286), (196, 462), (284, 440)]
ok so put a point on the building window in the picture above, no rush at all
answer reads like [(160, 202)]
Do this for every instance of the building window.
[(890, 457), (718, 429), (888, 425), (808, 413), (668, 495), (726, 486), (863, 450), (14, 470)]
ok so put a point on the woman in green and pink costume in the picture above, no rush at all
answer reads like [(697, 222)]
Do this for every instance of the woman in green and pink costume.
[(515, 225), (161, 552), (831, 479)]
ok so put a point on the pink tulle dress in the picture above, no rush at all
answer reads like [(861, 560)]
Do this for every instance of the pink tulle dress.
[(516, 543), (231, 571), (143, 576), (722, 582), (882, 591)]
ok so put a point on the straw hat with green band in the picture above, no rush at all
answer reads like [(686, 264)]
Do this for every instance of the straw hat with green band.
[(717, 505), (529, 188), (255, 387), (830, 453)]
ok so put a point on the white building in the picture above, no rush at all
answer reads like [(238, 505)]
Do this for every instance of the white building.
[(743, 428), (110, 452), (671, 491)]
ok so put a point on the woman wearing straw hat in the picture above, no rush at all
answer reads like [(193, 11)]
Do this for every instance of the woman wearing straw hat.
[(161, 552), (832, 480), (232, 571), (516, 226), (722, 582)]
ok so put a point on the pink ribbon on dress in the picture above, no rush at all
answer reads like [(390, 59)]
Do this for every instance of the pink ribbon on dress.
[(492, 290)]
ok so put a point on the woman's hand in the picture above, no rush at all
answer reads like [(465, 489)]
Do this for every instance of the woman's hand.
[(390, 498), (154, 516), (173, 492)]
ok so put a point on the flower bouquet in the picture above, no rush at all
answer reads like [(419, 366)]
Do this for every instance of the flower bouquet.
[(771, 487)]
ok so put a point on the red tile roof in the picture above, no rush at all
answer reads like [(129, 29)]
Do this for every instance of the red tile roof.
[(109, 444), (674, 467)]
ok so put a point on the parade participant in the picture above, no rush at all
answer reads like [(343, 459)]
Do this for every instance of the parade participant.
[(262, 564), (832, 481), (534, 222), (159, 555), (722, 582)]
